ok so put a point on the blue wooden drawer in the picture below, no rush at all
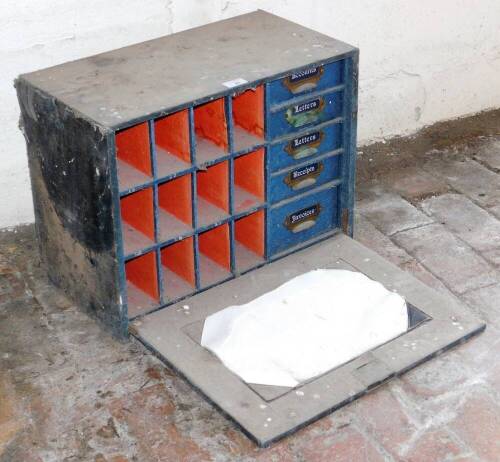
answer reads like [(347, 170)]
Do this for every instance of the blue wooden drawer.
[(303, 178), (299, 148), (309, 79), (302, 219), (297, 115)]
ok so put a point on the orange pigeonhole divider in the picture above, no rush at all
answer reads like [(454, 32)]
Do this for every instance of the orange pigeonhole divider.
[(248, 110), (143, 273), (175, 197), (215, 245), (213, 185), (172, 134), (249, 173), (137, 211), (249, 231), (210, 122), (179, 258), (132, 146)]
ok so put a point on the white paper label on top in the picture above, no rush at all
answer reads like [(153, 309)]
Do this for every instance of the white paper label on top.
[(234, 83)]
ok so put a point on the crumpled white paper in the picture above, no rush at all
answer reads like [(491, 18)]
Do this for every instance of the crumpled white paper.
[(306, 327)]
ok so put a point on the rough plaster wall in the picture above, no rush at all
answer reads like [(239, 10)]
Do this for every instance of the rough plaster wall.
[(420, 61)]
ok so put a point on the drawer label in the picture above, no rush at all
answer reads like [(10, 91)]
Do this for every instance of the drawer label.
[(307, 106), (307, 170), (305, 145), (303, 75), (304, 177), (304, 80), (297, 221), (305, 140)]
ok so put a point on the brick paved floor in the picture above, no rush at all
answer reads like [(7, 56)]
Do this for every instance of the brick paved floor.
[(430, 204)]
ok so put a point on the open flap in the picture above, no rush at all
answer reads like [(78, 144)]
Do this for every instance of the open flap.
[(306, 327)]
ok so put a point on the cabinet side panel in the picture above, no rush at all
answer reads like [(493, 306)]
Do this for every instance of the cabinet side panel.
[(70, 180), (350, 142)]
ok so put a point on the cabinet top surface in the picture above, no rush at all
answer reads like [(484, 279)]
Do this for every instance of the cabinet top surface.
[(120, 86)]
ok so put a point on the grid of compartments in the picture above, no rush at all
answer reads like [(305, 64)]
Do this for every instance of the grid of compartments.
[(198, 196), (192, 198)]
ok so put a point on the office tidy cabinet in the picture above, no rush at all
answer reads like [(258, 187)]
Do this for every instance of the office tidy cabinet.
[(164, 168)]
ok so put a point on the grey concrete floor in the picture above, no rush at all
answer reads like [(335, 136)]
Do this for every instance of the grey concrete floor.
[(429, 203)]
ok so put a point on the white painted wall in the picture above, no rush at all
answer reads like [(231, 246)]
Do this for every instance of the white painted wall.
[(421, 61)]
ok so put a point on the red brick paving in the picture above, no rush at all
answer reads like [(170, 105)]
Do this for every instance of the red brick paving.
[(478, 424), (435, 446), (385, 420), (435, 378), (344, 445), (148, 413)]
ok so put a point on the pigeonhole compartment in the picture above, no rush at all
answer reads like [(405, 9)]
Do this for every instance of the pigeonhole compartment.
[(175, 207), (248, 118), (137, 220), (142, 284), (172, 143), (214, 255), (210, 124), (133, 156), (249, 241), (213, 193), (249, 181), (178, 269)]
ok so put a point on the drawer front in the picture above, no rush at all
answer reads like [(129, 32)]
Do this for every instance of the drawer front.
[(303, 113), (306, 80), (301, 220), (303, 178), (299, 148)]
